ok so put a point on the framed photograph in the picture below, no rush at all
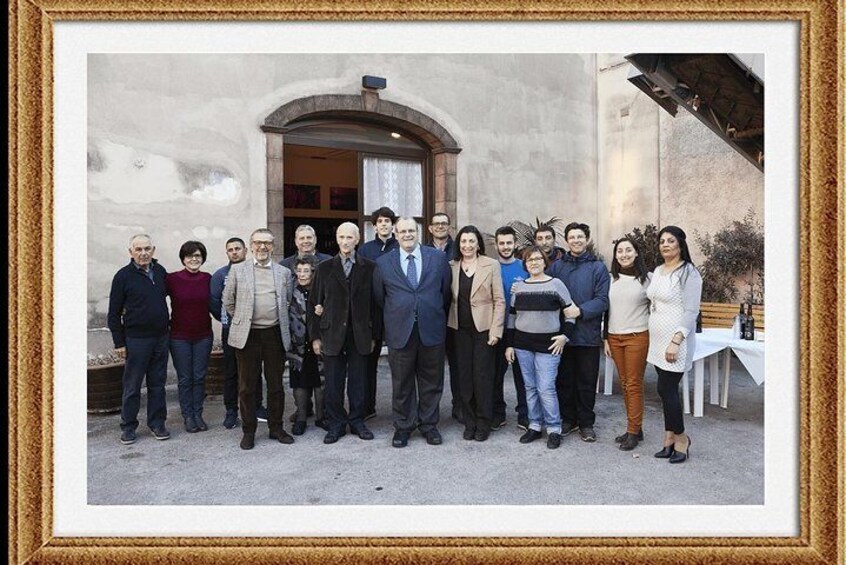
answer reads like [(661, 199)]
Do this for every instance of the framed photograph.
[(343, 198), (55, 46), (302, 196)]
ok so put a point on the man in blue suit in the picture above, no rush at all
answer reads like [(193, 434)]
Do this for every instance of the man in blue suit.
[(412, 286)]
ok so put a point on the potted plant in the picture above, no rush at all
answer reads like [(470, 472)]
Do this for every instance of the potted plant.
[(105, 383), (216, 372)]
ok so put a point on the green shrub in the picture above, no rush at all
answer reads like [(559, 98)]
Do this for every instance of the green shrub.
[(735, 251)]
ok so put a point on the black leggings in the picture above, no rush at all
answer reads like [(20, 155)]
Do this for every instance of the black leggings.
[(668, 390)]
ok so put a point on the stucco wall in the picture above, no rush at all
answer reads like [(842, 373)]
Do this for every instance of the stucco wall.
[(175, 147), (659, 169)]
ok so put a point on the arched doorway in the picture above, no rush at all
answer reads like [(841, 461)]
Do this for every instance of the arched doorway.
[(332, 155)]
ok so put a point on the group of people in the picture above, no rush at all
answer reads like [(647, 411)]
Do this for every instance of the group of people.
[(544, 311)]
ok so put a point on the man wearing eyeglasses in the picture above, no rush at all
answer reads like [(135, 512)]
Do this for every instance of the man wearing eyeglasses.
[(441, 240), (256, 298)]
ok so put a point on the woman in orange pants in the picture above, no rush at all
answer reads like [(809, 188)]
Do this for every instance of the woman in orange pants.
[(627, 333)]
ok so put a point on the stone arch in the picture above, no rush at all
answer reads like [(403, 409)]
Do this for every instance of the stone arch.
[(364, 108)]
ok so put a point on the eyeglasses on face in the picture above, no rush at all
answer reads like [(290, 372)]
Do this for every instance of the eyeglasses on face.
[(440, 224), (534, 259), (262, 243)]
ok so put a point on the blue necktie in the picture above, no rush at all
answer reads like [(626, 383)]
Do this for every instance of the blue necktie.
[(347, 267), (411, 273)]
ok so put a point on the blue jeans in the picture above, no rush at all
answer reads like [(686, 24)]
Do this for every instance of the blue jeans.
[(539, 373), (191, 361), (145, 356)]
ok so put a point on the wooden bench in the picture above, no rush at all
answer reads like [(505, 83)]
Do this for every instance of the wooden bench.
[(720, 315)]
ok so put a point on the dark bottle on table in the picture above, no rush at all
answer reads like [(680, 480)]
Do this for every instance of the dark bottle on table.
[(699, 323), (749, 328), (740, 324)]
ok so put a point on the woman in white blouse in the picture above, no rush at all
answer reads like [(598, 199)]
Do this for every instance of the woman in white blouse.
[(674, 295), (627, 333)]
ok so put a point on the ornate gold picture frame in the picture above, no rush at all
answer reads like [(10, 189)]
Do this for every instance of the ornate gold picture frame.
[(822, 230)]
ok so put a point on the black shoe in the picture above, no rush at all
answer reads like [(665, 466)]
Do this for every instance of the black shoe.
[(332, 437), (469, 434), (248, 441), (261, 414), (362, 432), (231, 419), (191, 425), (553, 441), (128, 437), (201, 424), (629, 442), (298, 428), (681, 456), (433, 437), (400, 438), (523, 424), (282, 437), (530, 436), (567, 429), (322, 424), (666, 453), (500, 423), (370, 415), (638, 436), (482, 435), (161, 433), (587, 434)]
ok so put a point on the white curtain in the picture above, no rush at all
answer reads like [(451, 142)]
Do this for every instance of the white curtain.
[(395, 183)]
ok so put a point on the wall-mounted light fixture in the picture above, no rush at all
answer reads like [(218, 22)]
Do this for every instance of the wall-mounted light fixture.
[(376, 83)]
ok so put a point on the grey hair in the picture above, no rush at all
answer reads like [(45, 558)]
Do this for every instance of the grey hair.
[(140, 236), (352, 226), (262, 230), (305, 227)]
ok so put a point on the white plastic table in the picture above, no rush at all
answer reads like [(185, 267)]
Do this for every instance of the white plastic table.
[(708, 344)]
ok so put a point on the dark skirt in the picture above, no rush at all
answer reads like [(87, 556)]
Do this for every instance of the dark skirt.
[(309, 375)]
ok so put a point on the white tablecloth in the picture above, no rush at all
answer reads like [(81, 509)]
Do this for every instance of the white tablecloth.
[(750, 353), (708, 344)]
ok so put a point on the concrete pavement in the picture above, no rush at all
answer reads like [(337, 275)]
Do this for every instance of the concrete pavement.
[(726, 464)]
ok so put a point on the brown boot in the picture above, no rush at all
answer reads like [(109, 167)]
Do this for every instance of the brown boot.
[(248, 441)]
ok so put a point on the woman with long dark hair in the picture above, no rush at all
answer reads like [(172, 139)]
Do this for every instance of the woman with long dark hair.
[(627, 332), (674, 294), (477, 315), (190, 332)]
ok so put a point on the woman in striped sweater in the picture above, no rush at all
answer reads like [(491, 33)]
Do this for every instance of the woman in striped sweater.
[(537, 333)]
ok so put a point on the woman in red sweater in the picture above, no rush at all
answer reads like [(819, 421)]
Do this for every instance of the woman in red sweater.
[(190, 332)]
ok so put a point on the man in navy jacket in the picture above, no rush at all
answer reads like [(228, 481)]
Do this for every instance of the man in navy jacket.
[(236, 251), (412, 286), (588, 281), (383, 221), (139, 322)]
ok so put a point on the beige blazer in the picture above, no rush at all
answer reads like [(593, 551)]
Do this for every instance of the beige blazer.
[(239, 300), (487, 300)]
